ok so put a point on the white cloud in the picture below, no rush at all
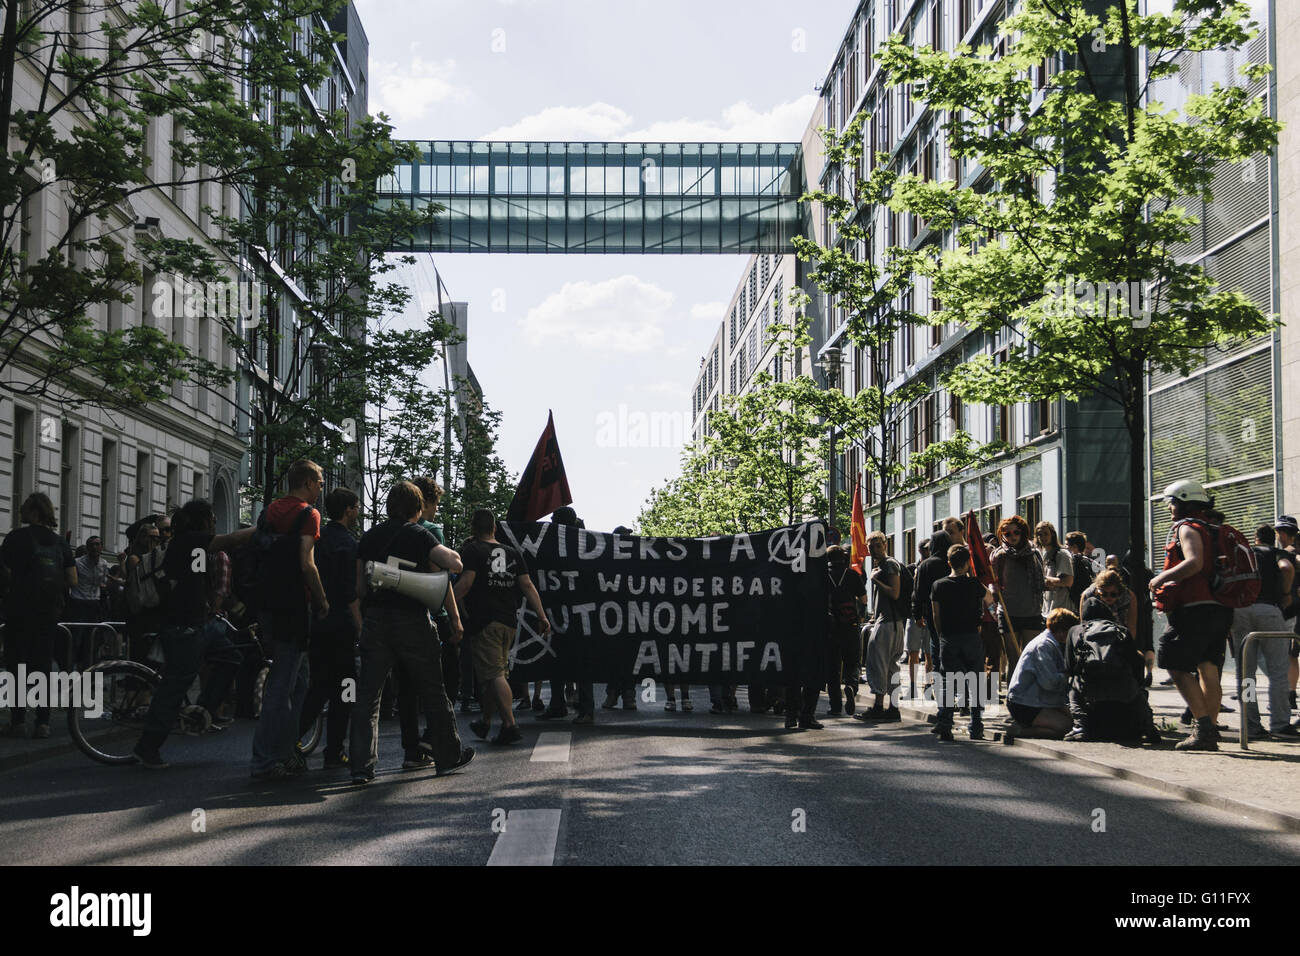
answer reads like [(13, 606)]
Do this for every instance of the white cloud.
[(408, 91), (599, 121), (623, 314), (708, 310)]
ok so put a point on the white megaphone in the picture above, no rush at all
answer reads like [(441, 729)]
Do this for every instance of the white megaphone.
[(429, 589)]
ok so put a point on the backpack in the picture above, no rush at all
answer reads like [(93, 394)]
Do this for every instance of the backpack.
[(265, 573), (1234, 572), (1081, 568), (906, 584), (1102, 659), (147, 584), (46, 579)]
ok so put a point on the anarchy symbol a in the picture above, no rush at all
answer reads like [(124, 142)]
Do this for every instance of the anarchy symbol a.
[(528, 637)]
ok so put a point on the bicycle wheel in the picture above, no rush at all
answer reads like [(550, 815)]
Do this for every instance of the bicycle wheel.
[(127, 689), (312, 738)]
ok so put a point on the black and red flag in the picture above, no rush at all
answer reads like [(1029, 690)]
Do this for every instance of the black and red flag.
[(980, 565), (543, 486)]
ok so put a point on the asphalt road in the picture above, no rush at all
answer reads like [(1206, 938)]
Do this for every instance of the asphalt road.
[(636, 788)]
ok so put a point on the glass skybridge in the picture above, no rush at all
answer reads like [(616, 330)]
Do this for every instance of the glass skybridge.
[(685, 198)]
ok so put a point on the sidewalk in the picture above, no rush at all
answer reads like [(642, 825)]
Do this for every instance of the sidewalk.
[(19, 751), (1259, 783)]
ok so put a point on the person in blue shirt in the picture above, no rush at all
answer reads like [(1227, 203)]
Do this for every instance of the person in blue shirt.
[(1039, 691)]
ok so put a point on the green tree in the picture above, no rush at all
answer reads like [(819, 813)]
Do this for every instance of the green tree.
[(873, 284), (1086, 173)]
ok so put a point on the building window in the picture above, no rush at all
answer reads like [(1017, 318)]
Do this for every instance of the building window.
[(24, 442), (143, 484), (69, 484), (1030, 508), (108, 495), (173, 485)]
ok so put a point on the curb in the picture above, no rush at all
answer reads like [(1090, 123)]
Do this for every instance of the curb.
[(1276, 819)]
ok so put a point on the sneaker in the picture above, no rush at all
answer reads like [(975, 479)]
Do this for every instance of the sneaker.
[(629, 704), (944, 733), (538, 704), (812, 723), (1146, 681), (877, 712), (834, 712), (583, 720), (361, 779), (335, 761), (417, 760), (1153, 737), (1077, 734), (41, 731), (891, 715), (508, 735), (1225, 709), (222, 722), (670, 704), (687, 706), (1167, 682), (296, 764), (1290, 732), (716, 709), (149, 758), (481, 728), (466, 755), (791, 721), (277, 771), (977, 732), (610, 703), (1257, 733)]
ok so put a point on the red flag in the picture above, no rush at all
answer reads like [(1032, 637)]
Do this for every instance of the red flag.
[(543, 486), (858, 530), (981, 567)]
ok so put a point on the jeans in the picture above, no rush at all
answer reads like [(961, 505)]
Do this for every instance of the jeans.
[(843, 677), (30, 641), (1263, 617), (333, 661), (388, 636), (286, 690), (183, 650), (961, 654), (224, 660), (883, 648)]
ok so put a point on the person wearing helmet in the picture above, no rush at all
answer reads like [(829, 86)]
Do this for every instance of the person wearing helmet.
[(1193, 647)]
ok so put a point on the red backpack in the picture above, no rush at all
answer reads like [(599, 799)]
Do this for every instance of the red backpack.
[(1233, 568)]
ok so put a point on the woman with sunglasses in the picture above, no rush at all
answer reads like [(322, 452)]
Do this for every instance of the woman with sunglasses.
[(1018, 568), (1122, 603)]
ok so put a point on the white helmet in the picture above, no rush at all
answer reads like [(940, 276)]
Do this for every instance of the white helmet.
[(1189, 491)]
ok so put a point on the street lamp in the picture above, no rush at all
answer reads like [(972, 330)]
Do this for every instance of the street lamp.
[(831, 359)]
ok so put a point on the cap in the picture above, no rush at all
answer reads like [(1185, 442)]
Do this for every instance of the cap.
[(1286, 523)]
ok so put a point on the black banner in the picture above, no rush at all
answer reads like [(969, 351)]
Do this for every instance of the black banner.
[(740, 609)]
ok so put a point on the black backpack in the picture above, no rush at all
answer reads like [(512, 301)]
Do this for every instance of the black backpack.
[(1102, 660), (1081, 568), (906, 584), (265, 573), (46, 584)]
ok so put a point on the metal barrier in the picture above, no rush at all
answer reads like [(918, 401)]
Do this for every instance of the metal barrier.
[(1254, 635)]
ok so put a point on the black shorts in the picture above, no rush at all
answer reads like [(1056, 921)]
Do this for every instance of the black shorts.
[(1196, 635), (1023, 713)]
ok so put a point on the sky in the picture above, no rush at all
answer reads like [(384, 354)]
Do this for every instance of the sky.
[(605, 342)]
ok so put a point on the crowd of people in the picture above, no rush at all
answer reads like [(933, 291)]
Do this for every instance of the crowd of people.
[(1067, 628)]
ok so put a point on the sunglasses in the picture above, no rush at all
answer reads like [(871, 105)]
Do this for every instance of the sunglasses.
[(1112, 595)]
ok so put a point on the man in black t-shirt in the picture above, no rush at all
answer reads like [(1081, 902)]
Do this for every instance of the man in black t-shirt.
[(491, 590), (957, 605), (185, 610), (396, 628), (41, 568), (848, 594)]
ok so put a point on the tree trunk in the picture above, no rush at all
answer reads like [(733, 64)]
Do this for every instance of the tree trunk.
[(1135, 418)]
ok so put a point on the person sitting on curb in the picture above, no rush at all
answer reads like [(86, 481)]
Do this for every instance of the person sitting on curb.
[(1038, 695)]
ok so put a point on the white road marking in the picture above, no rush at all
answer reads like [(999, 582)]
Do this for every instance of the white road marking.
[(552, 748), (528, 840)]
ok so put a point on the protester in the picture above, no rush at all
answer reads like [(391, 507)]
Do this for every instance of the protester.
[(1058, 569), (1038, 695), (846, 596), (288, 583), (86, 601), (489, 589), (41, 568), (915, 635), (886, 640), (1018, 571), (557, 707), (1095, 555), (1081, 571), (957, 602), (396, 628), (332, 654), (1122, 603), (1195, 643), (1277, 576), (146, 621), (185, 603), (1107, 699), (1288, 539), (928, 572), (624, 687), (1136, 578), (218, 651)]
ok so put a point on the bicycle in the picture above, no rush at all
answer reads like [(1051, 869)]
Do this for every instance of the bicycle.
[(129, 686)]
